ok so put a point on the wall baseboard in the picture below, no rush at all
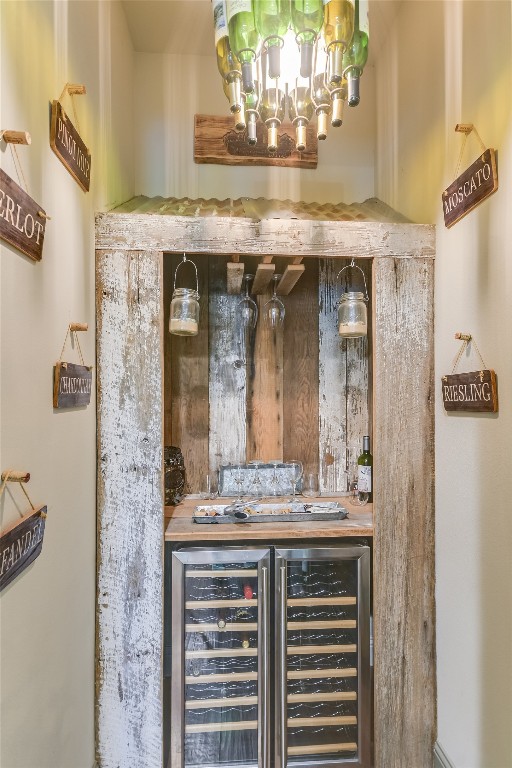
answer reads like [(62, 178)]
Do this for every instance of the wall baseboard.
[(441, 759)]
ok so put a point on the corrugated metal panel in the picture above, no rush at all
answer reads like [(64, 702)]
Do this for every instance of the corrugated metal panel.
[(262, 208)]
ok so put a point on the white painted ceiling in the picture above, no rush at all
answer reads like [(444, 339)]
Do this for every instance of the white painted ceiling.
[(185, 26)]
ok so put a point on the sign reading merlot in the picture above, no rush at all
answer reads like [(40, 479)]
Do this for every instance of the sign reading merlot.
[(69, 147), (475, 391), (71, 385), (21, 544), (471, 188), (22, 220)]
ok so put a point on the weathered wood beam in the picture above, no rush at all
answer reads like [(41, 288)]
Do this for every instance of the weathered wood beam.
[(404, 607), (221, 235), (130, 510)]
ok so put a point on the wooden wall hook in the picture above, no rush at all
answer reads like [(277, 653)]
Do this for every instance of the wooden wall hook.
[(79, 326), (16, 137), (12, 476)]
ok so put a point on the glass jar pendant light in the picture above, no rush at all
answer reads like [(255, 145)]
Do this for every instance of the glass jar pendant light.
[(352, 314), (184, 314)]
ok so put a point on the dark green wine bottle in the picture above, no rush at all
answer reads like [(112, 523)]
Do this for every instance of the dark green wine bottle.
[(365, 470)]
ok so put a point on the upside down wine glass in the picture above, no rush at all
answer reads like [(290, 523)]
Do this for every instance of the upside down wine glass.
[(274, 308)]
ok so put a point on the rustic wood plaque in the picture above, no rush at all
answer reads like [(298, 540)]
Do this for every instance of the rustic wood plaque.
[(20, 544), (69, 147), (22, 220), (71, 385), (471, 188), (217, 142), (476, 391)]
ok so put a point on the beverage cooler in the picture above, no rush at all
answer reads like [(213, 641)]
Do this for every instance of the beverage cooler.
[(270, 657)]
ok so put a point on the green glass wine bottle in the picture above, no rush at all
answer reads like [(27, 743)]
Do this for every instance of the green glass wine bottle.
[(272, 18), (307, 17), (243, 37), (321, 93), (272, 107), (227, 63), (365, 470), (356, 55), (301, 110)]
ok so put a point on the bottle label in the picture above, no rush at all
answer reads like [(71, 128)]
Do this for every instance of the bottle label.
[(364, 479), (219, 20), (237, 6)]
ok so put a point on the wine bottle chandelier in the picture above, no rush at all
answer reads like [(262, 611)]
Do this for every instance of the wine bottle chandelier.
[(300, 56)]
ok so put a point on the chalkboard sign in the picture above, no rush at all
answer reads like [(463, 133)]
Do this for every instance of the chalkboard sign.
[(71, 385), (21, 544), (476, 391)]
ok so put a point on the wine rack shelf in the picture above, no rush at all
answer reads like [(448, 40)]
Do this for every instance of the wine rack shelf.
[(305, 674), (240, 701), (249, 725), (221, 653), (318, 749), (304, 698), (309, 722), (228, 627), (304, 650), (200, 604), (221, 677), (222, 574)]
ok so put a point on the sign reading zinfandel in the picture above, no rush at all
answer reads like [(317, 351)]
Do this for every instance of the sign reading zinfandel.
[(22, 220), (471, 188), (20, 545), (69, 147), (475, 391), (71, 385)]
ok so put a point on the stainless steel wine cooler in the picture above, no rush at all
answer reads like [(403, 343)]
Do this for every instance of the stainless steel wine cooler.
[(270, 654)]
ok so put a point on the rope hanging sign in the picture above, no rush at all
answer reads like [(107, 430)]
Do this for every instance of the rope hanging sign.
[(65, 139), (21, 542), (72, 383), (474, 185), (22, 220), (476, 391)]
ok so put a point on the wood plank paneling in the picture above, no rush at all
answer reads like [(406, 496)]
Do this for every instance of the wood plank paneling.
[(130, 510), (332, 369), (189, 377), (227, 385), (404, 607), (265, 389), (300, 371)]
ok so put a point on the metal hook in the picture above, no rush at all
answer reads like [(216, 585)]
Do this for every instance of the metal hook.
[(353, 265), (183, 261)]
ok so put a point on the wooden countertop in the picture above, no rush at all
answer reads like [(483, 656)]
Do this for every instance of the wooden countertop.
[(180, 526)]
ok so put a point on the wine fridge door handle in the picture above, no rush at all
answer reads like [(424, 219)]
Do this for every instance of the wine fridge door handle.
[(283, 668), (264, 680)]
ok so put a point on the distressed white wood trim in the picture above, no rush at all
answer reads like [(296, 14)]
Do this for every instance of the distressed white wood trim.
[(130, 510), (404, 575), (441, 759), (215, 234)]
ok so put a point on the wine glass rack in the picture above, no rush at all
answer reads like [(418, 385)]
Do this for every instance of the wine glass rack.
[(270, 657)]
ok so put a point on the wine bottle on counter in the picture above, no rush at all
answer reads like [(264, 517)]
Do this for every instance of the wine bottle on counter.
[(365, 470)]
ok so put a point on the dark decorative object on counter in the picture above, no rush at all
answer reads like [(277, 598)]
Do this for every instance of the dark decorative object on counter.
[(174, 471)]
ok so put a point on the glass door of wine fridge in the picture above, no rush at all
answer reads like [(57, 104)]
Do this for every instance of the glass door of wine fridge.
[(322, 696), (220, 697)]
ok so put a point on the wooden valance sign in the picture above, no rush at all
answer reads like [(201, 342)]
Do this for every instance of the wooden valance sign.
[(476, 391), (22, 220), (67, 143), (216, 141), (72, 384), (22, 541), (472, 187)]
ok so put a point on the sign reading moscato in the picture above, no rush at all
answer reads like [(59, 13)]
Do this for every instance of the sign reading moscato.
[(471, 188), (22, 220), (69, 147)]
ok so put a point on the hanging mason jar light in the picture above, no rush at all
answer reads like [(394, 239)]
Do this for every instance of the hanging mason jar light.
[(184, 314), (352, 315)]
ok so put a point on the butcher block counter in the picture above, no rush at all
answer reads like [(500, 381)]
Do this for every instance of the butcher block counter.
[(179, 525)]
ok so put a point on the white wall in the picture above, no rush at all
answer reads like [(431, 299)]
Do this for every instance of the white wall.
[(171, 88), (449, 62), (48, 613)]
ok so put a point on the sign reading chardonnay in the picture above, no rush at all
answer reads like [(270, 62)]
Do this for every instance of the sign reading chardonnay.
[(471, 188), (69, 147), (71, 385)]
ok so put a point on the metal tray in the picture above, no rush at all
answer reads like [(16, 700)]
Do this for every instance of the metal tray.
[(295, 512)]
